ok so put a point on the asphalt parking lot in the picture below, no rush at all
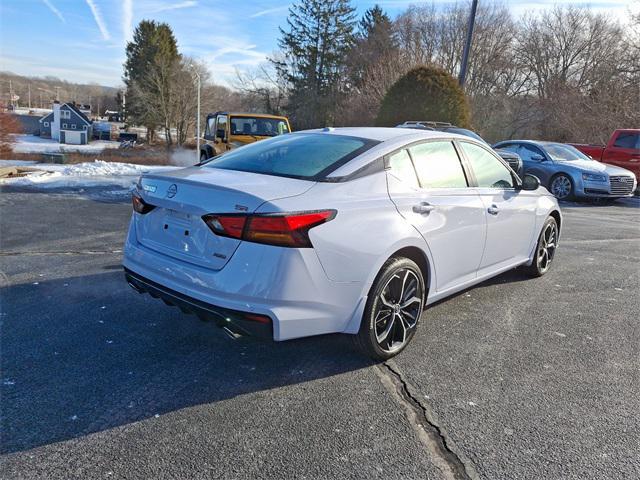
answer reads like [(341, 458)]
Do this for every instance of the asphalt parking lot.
[(515, 378)]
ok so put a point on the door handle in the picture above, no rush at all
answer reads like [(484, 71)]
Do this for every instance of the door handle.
[(423, 208), (493, 209)]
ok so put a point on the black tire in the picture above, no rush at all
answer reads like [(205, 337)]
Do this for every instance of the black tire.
[(203, 157), (563, 186), (545, 249), (401, 279)]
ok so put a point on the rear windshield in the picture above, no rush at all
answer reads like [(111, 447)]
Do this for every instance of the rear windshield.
[(309, 156)]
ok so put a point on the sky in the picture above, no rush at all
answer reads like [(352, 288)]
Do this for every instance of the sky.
[(84, 40)]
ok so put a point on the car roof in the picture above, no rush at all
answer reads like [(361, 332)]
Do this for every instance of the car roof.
[(247, 114), (390, 139), (382, 134)]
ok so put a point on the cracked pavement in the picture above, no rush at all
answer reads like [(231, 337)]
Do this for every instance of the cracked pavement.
[(514, 378)]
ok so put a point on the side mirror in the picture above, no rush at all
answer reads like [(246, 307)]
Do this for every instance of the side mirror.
[(530, 182), (537, 158), (220, 133)]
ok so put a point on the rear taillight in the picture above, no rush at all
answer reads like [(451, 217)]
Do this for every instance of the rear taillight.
[(140, 205), (284, 230)]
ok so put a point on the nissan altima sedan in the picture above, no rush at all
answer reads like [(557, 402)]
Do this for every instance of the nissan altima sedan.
[(351, 230), (568, 173)]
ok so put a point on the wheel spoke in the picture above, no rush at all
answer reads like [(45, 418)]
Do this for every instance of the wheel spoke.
[(407, 320), (385, 302), (385, 333), (411, 301), (382, 315)]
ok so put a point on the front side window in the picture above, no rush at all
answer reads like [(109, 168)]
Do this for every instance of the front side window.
[(527, 152), (401, 167), (66, 114), (438, 165), (305, 156), (489, 171), (628, 140)]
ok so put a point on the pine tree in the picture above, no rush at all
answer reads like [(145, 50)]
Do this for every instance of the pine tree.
[(152, 56), (374, 42), (320, 34)]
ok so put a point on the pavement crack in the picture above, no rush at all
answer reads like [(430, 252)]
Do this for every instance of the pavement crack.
[(452, 464)]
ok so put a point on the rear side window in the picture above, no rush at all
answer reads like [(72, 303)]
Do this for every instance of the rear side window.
[(489, 171), (438, 165), (300, 155), (402, 168), (628, 140)]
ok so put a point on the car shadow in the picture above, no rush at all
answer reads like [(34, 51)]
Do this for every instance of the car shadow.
[(86, 354)]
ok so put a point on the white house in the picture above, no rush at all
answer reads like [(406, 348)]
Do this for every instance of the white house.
[(66, 124)]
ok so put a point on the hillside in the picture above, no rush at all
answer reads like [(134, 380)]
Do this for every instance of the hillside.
[(44, 90)]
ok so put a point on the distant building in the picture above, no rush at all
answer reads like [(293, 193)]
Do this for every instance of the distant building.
[(66, 124)]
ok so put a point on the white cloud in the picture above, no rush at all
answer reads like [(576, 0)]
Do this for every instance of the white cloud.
[(270, 11), (97, 15), (55, 11), (177, 6)]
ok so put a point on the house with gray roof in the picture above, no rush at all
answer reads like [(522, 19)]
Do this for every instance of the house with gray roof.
[(67, 124)]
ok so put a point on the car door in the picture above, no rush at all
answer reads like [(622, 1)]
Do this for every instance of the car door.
[(429, 188), (535, 162), (511, 211), (221, 145)]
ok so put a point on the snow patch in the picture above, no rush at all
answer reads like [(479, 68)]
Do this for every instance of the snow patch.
[(88, 174), (34, 144)]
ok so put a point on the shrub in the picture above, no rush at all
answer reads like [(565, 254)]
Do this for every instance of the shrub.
[(424, 93)]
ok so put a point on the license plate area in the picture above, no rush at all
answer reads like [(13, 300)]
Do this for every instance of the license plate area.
[(184, 236)]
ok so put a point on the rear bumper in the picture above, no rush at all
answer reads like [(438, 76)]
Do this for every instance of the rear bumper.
[(285, 284), (233, 320)]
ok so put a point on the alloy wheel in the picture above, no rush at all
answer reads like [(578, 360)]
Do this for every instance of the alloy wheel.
[(398, 309), (547, 247), (561, 187)]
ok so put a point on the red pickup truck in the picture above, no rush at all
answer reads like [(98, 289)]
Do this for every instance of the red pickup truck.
[(622, 150)]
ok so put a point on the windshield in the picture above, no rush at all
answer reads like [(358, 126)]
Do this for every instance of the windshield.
[(258, 126), (560, 152), (305, 156)]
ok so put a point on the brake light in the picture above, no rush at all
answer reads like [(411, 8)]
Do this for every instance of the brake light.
[(140, 205), (284, 230)]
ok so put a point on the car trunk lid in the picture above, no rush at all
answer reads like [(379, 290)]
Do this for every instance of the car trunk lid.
[(175, 227)]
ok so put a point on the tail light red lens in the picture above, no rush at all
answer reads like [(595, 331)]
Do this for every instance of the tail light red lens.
[(284, 230), (140, 205)]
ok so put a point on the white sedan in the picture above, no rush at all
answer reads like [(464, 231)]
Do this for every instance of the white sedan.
[(351, 230)]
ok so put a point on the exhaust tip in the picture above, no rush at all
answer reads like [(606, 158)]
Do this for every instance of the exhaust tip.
[(135, 287), (231, 334)]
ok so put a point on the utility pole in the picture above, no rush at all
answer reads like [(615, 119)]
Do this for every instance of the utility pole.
[(198, 122), (29, 96), (467, 44), (197, 75)]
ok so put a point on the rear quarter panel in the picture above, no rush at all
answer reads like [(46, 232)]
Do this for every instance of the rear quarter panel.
[(366, 231)]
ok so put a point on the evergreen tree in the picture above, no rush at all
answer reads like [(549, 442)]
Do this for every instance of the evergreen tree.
[(152, 56), (320, 34), (374, 42)]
